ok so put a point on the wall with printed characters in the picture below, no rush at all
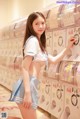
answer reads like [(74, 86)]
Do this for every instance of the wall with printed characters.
[(11, 41), (59, 90)]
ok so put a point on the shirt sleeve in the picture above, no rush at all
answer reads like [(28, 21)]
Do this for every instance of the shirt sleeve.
[(31, 47)]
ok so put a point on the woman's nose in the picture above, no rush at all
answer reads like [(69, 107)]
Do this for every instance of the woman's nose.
[(40, 26)]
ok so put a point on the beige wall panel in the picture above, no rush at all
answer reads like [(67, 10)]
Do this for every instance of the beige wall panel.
[(11, 10)]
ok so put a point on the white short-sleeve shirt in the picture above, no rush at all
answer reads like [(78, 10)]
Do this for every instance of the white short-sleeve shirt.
[(32, 48)]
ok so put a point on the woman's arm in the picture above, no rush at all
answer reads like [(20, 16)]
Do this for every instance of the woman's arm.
[(57, 58), (25, 71), (30, 50), (60, 56), (27, 101)]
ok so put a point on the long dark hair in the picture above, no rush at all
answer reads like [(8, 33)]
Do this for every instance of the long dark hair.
[(30, 31)]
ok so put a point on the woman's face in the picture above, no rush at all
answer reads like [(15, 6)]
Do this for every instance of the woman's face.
[(39, 26)]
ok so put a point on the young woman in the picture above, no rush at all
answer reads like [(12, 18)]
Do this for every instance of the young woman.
[(35, 56)]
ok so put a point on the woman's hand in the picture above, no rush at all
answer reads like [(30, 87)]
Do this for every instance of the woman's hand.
[(71, 42), (27, 101)]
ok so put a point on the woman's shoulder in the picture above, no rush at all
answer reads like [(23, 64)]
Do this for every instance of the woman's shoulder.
[(32, 39)]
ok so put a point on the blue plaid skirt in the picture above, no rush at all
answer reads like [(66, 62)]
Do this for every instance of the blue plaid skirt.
[(17, 94)]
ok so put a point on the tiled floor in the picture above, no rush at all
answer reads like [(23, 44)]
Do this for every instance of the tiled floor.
[(11, 107)]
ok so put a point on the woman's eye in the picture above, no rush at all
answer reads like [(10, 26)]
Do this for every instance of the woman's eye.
[(37, 24)]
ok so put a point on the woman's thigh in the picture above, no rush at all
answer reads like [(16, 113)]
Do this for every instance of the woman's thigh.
[(27, 113)]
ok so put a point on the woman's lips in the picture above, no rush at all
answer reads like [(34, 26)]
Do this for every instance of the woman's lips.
[(40, 30)]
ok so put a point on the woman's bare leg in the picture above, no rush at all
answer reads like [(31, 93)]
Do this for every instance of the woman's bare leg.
[(27, 113)]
